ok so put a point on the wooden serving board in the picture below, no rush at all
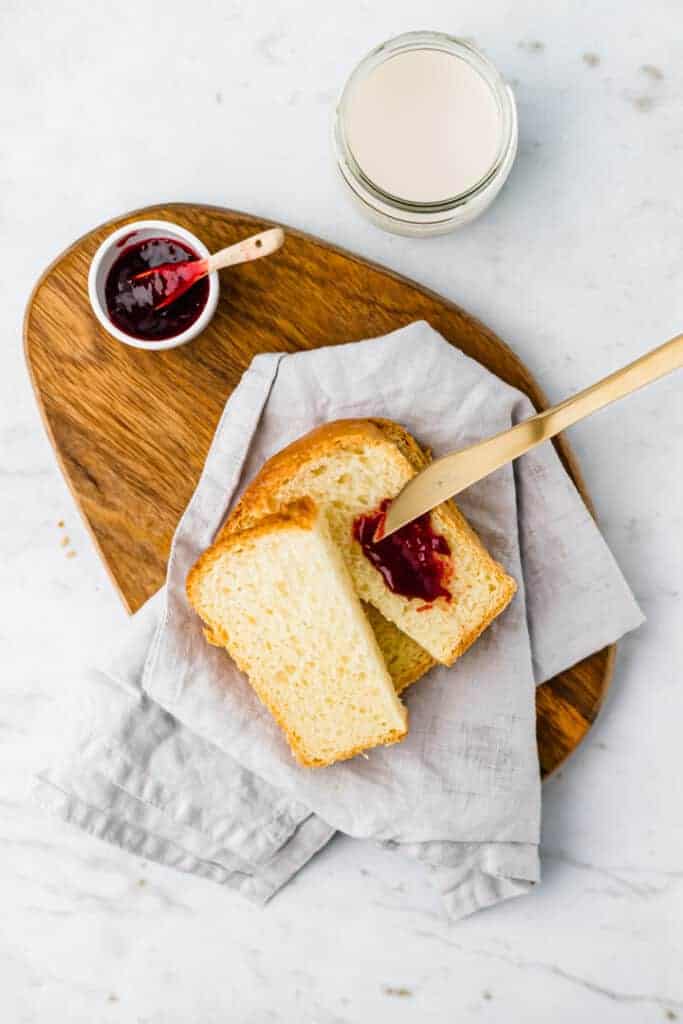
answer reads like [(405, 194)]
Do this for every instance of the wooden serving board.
[(131, 428)]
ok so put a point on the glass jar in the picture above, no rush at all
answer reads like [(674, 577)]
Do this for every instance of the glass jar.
[(407, 217)]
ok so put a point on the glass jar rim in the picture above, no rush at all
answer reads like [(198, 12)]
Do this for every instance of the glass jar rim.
[(368, 191)]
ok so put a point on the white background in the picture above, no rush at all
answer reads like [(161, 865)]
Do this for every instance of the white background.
[(105, 107)]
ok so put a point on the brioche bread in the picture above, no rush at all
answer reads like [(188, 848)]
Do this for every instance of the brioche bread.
[(349, 467), (279, 598)]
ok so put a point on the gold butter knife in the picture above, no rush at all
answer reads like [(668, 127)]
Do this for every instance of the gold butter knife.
[(452, 473)]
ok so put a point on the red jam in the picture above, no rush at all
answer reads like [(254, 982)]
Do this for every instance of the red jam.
[(130, 304), (414, 561)]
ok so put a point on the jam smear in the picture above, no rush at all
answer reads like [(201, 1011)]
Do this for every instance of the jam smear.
[(414, 561), (131, 304)]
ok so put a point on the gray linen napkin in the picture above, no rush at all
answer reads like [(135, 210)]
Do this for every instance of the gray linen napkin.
[(181, 763)]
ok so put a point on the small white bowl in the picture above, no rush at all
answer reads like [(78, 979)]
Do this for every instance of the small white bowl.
[(105, 257)]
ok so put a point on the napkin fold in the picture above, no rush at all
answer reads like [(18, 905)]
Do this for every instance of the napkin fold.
[(178, 761)]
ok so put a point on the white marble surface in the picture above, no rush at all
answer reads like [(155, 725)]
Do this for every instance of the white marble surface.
[(579, 267)]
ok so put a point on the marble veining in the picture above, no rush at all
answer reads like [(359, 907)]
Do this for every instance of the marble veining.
[(578, 266)]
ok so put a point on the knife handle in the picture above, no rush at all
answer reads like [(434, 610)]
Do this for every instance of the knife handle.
[(645, 370), (452, 473)]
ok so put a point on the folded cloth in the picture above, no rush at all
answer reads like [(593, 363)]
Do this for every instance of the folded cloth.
[(180, 762)]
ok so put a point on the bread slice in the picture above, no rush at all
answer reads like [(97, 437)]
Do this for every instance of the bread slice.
[(279, 597), (406, 661), (350, 467)]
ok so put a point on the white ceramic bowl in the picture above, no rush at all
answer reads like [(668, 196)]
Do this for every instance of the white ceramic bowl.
[(106, 255)]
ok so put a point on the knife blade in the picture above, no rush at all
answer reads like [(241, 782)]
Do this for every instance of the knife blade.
[(456, 471)]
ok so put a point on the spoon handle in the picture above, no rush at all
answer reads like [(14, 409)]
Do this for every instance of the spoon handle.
[(452, 473), (263, 244)]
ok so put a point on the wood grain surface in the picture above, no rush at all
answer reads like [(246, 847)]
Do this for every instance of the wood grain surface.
[(131, 428)]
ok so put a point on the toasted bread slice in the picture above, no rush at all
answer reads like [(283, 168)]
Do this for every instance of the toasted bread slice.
[(279, 598), (350, 467)]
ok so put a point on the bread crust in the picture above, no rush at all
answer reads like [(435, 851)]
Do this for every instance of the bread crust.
[(257, 500)]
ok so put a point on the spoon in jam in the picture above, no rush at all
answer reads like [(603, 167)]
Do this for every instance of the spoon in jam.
[(171, 280)]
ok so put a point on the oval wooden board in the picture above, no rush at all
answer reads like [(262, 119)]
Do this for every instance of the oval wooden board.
[(131, 428)]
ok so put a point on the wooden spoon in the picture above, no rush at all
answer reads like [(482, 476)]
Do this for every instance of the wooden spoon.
[(171, 280)]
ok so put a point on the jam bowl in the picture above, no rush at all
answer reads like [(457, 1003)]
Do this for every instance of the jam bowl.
[(126, 308)]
